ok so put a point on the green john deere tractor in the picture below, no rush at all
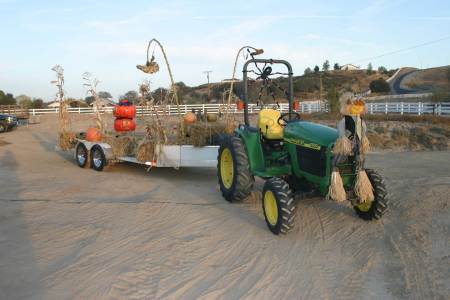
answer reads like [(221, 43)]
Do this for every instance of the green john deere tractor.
[(292, 155)]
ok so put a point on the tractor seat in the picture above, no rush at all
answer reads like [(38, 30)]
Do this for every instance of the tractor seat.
[(268, 124)]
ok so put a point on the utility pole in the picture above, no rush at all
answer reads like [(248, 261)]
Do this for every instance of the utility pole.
[(209, 88), (320, 87)]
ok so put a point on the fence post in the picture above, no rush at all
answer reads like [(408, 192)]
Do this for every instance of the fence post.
[(419, 108), (386, 108), (34, 112), (401, 108)]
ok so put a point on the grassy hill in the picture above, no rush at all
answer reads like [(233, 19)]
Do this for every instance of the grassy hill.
[(306, 87)]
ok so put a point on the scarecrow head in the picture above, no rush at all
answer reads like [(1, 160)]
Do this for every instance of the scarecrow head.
[(352, 106)]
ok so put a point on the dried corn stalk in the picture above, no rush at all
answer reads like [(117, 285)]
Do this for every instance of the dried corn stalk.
[(91, 86), (66, 137)]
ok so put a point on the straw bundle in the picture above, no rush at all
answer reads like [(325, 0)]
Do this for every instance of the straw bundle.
[(336, 190), (145, 151), (67, 140), (202, 134), (121, 145), (365, 145), (363, 187), (343, 146)]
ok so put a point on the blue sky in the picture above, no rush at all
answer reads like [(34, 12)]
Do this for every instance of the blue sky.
[(108, 38)]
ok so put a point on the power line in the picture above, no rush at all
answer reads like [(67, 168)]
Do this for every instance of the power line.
[(404, 49)]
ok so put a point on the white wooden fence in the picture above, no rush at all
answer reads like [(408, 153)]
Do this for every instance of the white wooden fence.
[(411, 108)]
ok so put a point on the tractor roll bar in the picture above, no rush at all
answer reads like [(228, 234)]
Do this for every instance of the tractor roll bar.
[(267, 61)]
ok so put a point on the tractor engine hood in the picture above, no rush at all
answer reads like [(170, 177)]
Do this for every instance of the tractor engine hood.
[(303, 131)]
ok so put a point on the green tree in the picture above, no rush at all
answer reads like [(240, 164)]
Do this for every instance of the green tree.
[(382, 69), (369, 69), (307, 71), (380, 86), (316, 69), (336, 67), (38, 103), (24, 101), (333, 98), (326, 66), (7, 99), (89, 100), (104, 95), (131, 96)]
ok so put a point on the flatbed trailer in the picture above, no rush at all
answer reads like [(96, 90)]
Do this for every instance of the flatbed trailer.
[(99, 155)]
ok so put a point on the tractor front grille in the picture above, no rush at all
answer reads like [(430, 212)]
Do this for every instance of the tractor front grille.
[(312, 161)]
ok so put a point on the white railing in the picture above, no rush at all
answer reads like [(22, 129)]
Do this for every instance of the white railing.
[(415, 108)]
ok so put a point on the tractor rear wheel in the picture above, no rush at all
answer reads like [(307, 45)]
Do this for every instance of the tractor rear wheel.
[(375, 209), (233, 170), (278, 205)]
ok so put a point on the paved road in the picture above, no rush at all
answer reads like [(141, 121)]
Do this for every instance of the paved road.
[(397, 81)]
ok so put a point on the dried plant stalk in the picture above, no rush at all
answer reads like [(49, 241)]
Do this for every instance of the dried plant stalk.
[(91, 86), (66, 137)]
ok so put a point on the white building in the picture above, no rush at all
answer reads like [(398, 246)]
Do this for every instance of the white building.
[(53, 104), (105, 103), (349, 67)]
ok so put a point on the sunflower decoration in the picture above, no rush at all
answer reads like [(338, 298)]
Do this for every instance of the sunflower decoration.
[(150, 67), (352, 141)]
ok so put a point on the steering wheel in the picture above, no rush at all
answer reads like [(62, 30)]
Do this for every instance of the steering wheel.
[(285, 118)]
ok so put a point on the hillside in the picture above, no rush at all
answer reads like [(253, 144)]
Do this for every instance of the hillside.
[(427, 80), (306, 87)]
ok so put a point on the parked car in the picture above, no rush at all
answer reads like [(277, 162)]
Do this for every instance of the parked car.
[(7, 122)]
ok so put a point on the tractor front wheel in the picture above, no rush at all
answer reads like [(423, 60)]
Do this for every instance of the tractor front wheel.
[(278, 205), (375, 209), (233, 170)]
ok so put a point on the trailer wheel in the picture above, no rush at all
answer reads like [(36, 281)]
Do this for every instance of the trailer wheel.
[(82, 156), (98, 158)]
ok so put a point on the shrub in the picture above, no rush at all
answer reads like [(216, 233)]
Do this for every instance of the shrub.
[(380, 86)]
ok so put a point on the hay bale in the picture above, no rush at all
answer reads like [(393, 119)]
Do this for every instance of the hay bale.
[(145, 151), (121, 145), (67, 140), (202, 134)]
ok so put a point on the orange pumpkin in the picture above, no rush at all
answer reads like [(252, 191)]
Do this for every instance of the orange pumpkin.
[(240, 105), (190, 118), (93, 134), (296, 105), (128, 112), (124, 125)]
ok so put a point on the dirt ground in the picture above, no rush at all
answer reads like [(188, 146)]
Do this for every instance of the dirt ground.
[(72, 233)]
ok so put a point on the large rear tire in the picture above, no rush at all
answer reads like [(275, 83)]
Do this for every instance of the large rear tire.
[(233, 170), (278, 205), (374, 210)]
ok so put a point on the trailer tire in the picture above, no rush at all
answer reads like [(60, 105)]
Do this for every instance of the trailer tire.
[(82, 156), (98, 159)]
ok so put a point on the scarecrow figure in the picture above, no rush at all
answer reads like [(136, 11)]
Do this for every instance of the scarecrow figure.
[(352, 141)]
